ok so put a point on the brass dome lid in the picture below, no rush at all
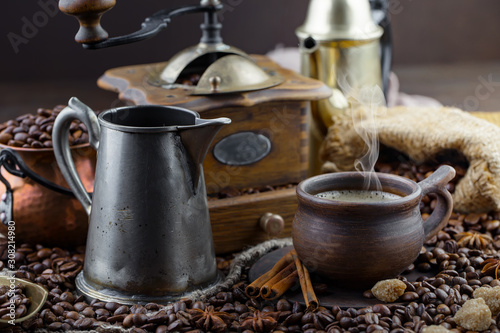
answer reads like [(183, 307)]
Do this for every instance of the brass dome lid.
[(223, 69), (234, 73)]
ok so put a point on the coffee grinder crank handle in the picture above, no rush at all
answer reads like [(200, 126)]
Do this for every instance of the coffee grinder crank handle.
[(92, 36), (80, 111)]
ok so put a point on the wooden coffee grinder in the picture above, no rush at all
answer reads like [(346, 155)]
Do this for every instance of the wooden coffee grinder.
[(265, 147)]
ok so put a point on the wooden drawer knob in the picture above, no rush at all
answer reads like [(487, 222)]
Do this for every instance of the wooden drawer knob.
[(272, 224)]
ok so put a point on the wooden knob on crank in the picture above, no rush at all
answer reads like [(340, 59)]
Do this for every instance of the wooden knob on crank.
[(272, 224), (88, 13)]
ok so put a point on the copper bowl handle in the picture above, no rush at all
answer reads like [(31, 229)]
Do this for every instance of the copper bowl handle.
[(14, 164)]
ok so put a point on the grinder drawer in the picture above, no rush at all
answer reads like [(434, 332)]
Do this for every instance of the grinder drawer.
[(236, 221)]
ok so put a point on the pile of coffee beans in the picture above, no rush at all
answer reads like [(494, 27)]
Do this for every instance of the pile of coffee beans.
[(16, 296), (448, 270), (35, 130), (231, 192), (189, 80)]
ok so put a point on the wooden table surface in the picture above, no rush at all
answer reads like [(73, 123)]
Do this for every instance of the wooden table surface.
[(460, 84)]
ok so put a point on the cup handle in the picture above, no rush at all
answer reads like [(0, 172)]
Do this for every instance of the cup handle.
[(80, 111), (436, 183)]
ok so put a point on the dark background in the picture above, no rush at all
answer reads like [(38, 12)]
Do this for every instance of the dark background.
[(52, 66)]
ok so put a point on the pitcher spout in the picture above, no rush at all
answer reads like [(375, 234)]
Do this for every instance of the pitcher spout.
[(196, 140)]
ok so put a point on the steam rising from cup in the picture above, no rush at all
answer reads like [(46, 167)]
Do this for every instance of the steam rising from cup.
[(371, 100)]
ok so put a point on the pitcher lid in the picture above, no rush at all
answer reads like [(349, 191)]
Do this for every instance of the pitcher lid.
[(330, 20)]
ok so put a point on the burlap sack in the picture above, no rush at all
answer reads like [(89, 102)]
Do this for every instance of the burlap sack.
[(421, 133)]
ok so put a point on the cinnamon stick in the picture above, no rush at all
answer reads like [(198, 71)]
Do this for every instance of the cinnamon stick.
[(305, 284), (267, 292), (253, 289), (281, 287)]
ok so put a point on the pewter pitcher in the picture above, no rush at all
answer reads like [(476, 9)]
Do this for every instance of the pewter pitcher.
[(340, 46), (149, 237)]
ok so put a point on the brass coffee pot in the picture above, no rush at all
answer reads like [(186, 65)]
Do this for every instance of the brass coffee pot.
[(340, 45)]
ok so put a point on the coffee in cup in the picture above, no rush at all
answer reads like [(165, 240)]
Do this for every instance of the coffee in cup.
[(358, 195)]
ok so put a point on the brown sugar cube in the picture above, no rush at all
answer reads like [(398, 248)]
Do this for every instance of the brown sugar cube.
[(491, 297), (474, 315), (388, 290)]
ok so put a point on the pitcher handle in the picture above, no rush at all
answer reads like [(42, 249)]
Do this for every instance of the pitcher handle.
[(80, 111), (436, 183)]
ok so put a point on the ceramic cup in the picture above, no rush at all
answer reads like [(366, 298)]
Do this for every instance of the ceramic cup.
[(357, 243)]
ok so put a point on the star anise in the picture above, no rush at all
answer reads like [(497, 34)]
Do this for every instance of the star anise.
[(473, 239), (490, 266), (209, 319), (261, 321)]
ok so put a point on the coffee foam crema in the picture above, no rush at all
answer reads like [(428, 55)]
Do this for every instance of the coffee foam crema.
[(358, 196)]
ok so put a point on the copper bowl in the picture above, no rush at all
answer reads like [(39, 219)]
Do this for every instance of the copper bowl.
[(43, 216)]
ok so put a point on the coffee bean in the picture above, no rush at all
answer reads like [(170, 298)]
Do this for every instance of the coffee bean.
[(139, 319), (48, 316), (371, 318), (462, 262), (83, 323), (117, 318), (5, 138), (159, 317), (474, 282), (283, 305), (472, 218), (409, 296), (346, 322), (293, 319), (450, 272), (80, 306), (422, 290), (88, 312), (241, 308), (102, 313), (162, 329), (175, 326), (466, 289), (20, 129), (32, 323), (57, 310), (56, 326), (374, 328), (123, 309), (66, 306), (56, 278), (368, 294), (424, 267), (152, 306), (20, 311), (128, 321), (44, 112), (140, 309), (427, 318), (73, 315), (486, 280), (429, 297), (443, 309), (441, 294), (98, 304)]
